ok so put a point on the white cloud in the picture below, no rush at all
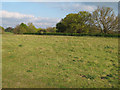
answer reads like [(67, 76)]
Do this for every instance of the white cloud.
[(6, 14), (14, 18), (75, 7)]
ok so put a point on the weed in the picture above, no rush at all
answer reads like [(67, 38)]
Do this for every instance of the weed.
[(20, 45), (29, 71)]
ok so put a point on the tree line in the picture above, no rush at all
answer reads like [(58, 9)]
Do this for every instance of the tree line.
[(27, 28), (101, 20)]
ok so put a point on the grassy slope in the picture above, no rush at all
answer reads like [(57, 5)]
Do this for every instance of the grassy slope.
[(59, 61)]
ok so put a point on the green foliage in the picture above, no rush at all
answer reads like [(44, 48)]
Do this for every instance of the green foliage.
[(60, 27), (18, 30), (23, 28), (20, 45), (75, 23), (51, 29), (38, 29), (98, 23), (102, 20), (43, 32), (1, 29), (9, 29), (31, 28)]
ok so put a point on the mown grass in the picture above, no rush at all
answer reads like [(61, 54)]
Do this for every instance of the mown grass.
[(34, 61)]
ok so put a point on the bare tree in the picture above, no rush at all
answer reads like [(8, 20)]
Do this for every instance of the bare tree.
[(105, 19)]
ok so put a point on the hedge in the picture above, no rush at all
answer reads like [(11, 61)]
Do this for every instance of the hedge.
[(76, 34)]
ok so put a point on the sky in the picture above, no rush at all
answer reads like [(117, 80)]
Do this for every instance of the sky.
[(45, 14)]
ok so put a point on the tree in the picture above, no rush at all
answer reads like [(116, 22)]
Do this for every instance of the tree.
[(75, 23), (16, 30), (23, 28), (83, 22), (9, 29), (1, 29), (41, 31), (31, 28), (51, 29), (20, 29), (70, 22), (60, 27), (104, 19)]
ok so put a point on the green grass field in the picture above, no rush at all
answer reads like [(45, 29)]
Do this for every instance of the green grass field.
[(35, 61)]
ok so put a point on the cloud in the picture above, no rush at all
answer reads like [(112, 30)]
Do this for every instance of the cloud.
[(14, 18), (75, 7), (6, 14)]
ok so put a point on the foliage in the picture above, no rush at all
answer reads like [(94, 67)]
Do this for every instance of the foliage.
[(9, 29), (74, 23), (31, 28), (23, 28), (60, 27), (51, 29), (105, 20), (1, 29), (20, 29), (102, 20), (42, 32)]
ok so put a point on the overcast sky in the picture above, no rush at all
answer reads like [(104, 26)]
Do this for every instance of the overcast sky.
[(44, 14)]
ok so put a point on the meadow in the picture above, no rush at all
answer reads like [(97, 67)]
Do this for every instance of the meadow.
[(43, 61)]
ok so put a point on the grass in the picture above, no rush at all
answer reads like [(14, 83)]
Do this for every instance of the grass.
[(34, 61)]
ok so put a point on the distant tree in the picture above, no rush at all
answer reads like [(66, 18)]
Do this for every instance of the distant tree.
[(20, 29), (41, 30), (54, 29), (9, 29), (104, 19), (23, 25), (1, 29), (51, 29), (31, 28), (38, 29), (16, 30)]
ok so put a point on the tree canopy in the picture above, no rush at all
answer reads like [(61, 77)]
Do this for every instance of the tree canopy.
[(102, 20), (105, 19), (23, 28), (9, 29), (74, 23)]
